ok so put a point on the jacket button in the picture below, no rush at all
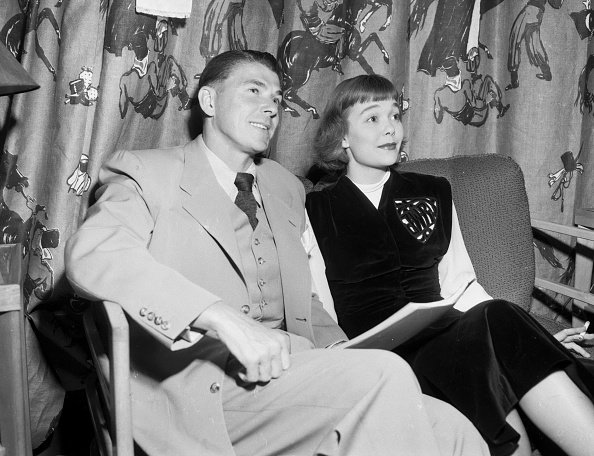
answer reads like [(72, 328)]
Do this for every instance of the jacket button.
[(245, 309), (257, 241), (215, 388), (143, 311), (158, 320), (150, 316), (165, 325), (261, 260), (261, 282)]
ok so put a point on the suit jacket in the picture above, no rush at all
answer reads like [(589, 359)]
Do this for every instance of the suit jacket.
[(159, 241)]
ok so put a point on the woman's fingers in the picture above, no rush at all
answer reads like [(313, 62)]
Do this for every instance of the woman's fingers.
[(570, 334), (577, 349)]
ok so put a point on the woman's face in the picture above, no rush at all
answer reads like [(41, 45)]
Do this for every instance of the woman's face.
[(373, 139)]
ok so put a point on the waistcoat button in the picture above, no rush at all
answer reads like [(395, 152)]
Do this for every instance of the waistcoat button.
[(245, 309)]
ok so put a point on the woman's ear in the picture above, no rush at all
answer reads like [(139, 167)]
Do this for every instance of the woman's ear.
[(345, 143), (206, 98)]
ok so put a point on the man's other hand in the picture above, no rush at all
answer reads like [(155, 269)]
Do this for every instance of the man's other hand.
[(263, 352)]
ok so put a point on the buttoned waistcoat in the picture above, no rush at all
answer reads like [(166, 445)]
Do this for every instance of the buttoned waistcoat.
[(159, 242)]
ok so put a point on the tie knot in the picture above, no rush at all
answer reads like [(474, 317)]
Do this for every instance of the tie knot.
[(244, 182)]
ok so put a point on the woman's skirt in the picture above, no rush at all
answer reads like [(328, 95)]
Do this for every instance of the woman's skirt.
[(483, 362)]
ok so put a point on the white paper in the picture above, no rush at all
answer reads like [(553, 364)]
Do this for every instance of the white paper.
[(404, 324)]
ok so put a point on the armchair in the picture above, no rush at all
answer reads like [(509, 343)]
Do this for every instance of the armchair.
[(492, 204)]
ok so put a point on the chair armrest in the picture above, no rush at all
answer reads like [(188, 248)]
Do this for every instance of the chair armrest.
[(115, 365)]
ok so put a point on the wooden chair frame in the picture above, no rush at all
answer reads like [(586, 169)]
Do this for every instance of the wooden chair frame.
[(15, 425), (109, 401), (582, 297)]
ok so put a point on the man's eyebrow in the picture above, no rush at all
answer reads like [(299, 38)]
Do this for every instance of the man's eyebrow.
[(257, 82), (260, 83)]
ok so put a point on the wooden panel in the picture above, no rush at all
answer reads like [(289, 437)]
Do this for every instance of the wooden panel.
[(15, 428)]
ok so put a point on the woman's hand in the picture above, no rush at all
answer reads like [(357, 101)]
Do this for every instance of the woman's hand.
[(571, 337)]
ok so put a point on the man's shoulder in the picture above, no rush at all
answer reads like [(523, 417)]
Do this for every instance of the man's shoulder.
[(146, 164), (162, 158), (422, 178)]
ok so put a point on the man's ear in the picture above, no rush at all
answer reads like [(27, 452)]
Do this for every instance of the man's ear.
[(206, 98)]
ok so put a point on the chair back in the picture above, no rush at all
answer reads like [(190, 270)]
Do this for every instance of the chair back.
[(490, 197)]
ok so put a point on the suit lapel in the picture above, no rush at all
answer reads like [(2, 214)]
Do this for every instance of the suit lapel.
[(207, 202)]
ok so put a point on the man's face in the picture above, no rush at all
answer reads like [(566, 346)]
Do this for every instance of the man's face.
[(246, 109)]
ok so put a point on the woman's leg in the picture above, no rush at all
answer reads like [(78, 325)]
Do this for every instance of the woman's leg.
[(562, 412), (515, 421)]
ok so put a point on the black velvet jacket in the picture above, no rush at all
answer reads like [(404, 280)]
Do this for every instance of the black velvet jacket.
[(377, 260)]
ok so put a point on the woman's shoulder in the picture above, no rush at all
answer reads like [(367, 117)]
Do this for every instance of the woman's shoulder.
[(429, 181)]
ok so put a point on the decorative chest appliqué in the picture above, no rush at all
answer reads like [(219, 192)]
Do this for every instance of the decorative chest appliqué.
[(418, 216)]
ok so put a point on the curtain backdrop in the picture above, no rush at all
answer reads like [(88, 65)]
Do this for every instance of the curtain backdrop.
[(508, 77)]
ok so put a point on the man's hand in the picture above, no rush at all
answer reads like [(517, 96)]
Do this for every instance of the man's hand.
[(571, 337), (263, 352)]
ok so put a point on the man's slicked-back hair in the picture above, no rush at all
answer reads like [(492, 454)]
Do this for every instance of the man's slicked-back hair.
[(333, 124), (219, 67)]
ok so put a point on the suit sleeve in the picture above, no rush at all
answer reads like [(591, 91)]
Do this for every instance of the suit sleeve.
[(108, 257)]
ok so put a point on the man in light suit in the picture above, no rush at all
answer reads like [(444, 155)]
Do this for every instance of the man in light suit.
[(219, 297)]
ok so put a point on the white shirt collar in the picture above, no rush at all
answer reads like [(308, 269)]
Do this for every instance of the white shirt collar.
[(226, 176), (373, 192)]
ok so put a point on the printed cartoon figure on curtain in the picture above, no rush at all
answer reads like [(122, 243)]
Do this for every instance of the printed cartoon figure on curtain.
[(36, 238), (584, 20), (526, 28), (81, 90), (467, 100), (330, 36), (149, 83), (564, 176), (230, 13), (14, 30), (454, 39), (585, 92)]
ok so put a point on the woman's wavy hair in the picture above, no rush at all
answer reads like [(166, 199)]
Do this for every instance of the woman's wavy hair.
[(329, 154)]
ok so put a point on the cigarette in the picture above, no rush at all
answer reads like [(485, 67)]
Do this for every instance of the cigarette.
[(586, 325)]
